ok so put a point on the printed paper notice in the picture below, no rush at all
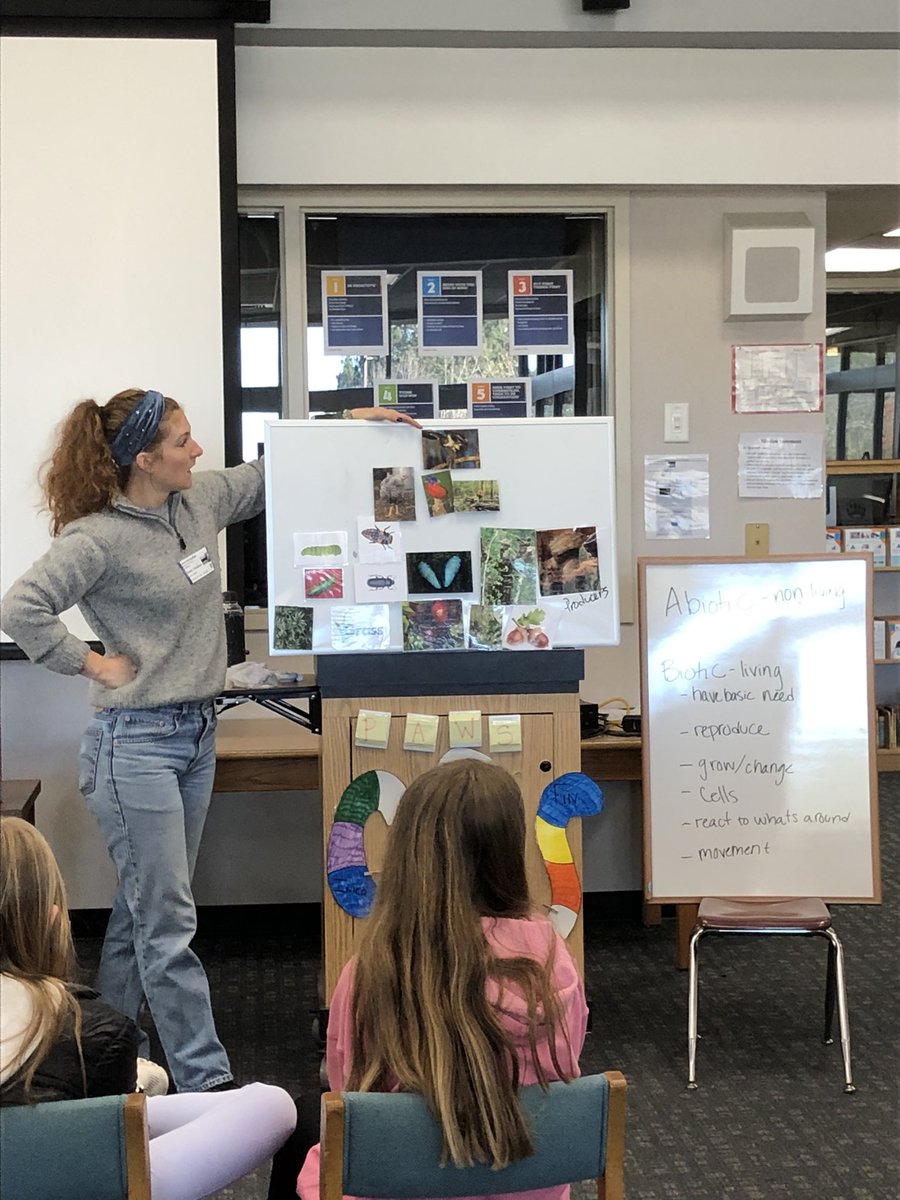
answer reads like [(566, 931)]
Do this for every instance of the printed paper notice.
[(449, 312), (789, 378), (541, 312), (354, 312), (676, 496), (773, 465)]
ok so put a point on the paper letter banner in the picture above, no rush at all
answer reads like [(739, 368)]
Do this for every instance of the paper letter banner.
[(354, 312), (504, 734), (373, 728), (541, 312), (449, 312), (499, 398), (421, 732), (465, 728)]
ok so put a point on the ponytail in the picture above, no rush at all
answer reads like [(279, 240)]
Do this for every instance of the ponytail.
[(81, 476)]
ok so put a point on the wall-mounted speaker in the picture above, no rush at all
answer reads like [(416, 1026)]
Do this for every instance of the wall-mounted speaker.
[(769, 265), (604, 5)]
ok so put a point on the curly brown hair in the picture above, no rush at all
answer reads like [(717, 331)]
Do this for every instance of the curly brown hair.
[(81, 476)]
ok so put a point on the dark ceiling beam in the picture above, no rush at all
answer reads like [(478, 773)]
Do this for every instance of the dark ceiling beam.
[(243, 11)]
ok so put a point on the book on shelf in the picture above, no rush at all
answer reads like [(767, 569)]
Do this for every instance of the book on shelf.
[(887, 721)]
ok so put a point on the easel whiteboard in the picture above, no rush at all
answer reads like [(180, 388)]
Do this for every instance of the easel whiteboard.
[(759, 759), (552, 474)]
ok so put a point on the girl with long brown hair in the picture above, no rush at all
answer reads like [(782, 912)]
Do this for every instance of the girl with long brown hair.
[(460, 991), (59, 1041), (135, 547)]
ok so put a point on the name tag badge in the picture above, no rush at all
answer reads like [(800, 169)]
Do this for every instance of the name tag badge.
[(197, 565)]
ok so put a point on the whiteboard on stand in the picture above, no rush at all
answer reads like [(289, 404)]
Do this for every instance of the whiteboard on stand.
[(552, 475), (759, 758)]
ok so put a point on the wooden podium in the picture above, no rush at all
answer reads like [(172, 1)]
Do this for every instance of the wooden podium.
[(541, 687)]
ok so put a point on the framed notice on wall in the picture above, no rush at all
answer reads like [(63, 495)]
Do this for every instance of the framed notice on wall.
[(759, 760)]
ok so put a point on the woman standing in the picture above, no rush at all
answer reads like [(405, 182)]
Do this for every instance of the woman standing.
[(136, 548)]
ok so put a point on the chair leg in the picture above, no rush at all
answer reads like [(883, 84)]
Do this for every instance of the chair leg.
[(843, 1019), (830, 993), (693, 988)]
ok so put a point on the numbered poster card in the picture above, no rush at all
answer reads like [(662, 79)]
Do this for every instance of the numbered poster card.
[(415, 397), (541, 312), (492, 398), (449, 312), (354, 312)]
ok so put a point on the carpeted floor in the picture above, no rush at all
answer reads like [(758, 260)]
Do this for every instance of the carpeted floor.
[(769, 1120)]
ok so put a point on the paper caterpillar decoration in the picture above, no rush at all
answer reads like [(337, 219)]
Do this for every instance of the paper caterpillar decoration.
[(571, 795), (345, 865)]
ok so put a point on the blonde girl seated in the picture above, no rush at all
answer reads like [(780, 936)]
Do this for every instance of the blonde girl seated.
[(59, 1041), (460, 991)]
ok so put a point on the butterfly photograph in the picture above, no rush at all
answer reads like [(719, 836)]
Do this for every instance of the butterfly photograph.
[(435, 571)]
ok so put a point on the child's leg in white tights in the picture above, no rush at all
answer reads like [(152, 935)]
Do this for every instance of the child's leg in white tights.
[(202, 1141)]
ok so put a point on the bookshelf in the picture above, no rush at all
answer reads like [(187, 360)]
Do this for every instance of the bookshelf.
[(863, 493)]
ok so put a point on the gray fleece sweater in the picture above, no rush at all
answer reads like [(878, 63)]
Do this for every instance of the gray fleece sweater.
[(121, 568)]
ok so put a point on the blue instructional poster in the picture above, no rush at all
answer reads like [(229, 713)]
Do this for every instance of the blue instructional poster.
[(415, 397), (449, 312), (354, 312), (488, 398), (541, 312)]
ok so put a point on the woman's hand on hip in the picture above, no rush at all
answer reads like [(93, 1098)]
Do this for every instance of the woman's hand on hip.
[(383, 414), (110, 670)]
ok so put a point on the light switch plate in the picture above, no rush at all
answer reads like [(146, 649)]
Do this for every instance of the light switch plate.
[(676, 423)]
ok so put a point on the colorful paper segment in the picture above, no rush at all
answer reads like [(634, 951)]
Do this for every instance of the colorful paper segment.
[(571, 795)]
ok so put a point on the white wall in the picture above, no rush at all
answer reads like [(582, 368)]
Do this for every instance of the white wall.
[(109, 244), (648, 17), (679, 118), (111, 278), (345, 115)]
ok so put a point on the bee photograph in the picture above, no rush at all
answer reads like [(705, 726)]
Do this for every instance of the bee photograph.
[(394, 493)]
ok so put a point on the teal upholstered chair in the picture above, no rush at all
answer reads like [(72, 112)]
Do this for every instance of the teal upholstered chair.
[(387, 1144), (75, 1149)]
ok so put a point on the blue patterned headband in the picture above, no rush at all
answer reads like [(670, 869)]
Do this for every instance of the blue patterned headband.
[(138, 429)]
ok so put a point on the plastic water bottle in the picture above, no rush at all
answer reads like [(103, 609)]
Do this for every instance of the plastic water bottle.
[(234, 629)]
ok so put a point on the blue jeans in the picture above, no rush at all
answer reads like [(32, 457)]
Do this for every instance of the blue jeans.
[(147, 776)]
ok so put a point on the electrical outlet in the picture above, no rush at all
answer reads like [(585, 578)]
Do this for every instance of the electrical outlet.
[(676, 423), (756, 540)]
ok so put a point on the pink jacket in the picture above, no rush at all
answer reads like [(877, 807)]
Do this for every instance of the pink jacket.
[(534, 937)]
